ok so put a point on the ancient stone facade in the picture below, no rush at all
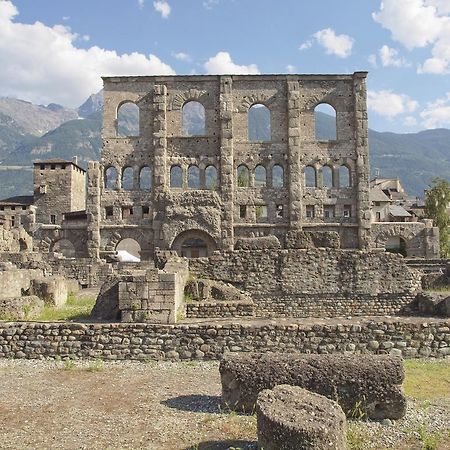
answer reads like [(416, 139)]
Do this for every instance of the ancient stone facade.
[(215, 185)]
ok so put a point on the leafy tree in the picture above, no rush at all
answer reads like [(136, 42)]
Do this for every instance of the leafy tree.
[(436, 207)]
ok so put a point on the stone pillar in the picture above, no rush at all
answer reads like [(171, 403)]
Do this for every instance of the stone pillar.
[(361, 137), (159, 163), (294, 175), (94, 189), (226, 161)]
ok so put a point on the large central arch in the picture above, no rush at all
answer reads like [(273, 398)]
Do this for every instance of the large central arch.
[(194, 244)]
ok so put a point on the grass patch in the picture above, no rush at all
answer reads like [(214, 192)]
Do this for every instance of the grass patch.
[(74, 309), (427, 380), (356, 438)]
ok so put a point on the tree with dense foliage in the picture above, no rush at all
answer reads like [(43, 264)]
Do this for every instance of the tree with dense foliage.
[(437, 208)]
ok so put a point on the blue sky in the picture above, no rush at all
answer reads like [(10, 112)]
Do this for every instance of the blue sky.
[(55, 51)]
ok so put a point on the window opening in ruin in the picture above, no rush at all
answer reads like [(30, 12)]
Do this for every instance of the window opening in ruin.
[(24, 208), (128, 250), (127, 179), (63, 166), (193, 177), (13, 221), (242, 211), (111, 178), (243, 176), (145, 178), (310, 211), (259, 127), (176, 177), (52, 167), (328, 212), (344, 177), (53, 219), (145, 211), (280, 211), (109, 212), (194, 248), (310, 176), (65, 247), (327, 176), (42, 166), (261, 212), (325, 122), (396, 244), (13, 208), (127, 211), (260, 176), (378, 216), (211, 180), (128, 120), (347, 211), (277, 176), (193, 119)]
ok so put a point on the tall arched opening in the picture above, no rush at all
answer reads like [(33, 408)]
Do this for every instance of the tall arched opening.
[(194, 244)]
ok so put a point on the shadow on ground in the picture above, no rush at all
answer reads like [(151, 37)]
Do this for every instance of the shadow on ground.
[(195, 403), (224, 445)]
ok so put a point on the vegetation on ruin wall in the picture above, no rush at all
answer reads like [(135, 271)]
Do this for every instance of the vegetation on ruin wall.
[(74, 309), (436, 207)]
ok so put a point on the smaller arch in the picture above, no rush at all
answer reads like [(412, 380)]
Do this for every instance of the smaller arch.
[(145, 178), (128, 119), (211, 178), (277, 176), (110, 178), (325, 122), (259, 123), (243, 176), (194, 244), (260, 176), (193, 177), (128, 250), (127, 178), (176, 177), (310, 176), (65, 247), (193, 118), (344, 176), (327, 176), (396, 244)]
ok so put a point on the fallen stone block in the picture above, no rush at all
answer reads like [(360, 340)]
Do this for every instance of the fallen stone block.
[(53, 290), (21, 308), (363, 385), (292, 418)]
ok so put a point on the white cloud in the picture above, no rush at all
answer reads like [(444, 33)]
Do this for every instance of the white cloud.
[(306, 45), (222, 63), (162, 7), (141, 3), (335, 44), (417, 24), (42, 64), (389, 57), (410, 121), (209, 4), (372, 59), (290, 68), (389, 104), (86, 38), (181, 56), (66, 18), (437, 113)]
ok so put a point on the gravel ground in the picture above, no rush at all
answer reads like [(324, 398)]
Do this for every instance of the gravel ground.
[(161, 406)]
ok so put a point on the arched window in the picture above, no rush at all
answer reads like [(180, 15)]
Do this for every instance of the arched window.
[(193, 119), (211, 180), (327, 176), (128, 250), (65, 247), (260, 176), (259, 123), (310, 176), (243, 176), (277, 176), (145, 178), (325, 122), (176, 177), (111, 178), (127, 179), (193, 177), (344, 177), (128, 119)]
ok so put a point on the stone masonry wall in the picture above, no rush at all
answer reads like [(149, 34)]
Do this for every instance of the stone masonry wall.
[(315, 282), (408, 337)]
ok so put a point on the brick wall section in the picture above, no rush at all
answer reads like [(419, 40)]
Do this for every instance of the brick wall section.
[(315, 282), (410, 338)]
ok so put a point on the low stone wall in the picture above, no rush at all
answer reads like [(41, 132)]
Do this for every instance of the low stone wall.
[(210, 340), (219, 308)]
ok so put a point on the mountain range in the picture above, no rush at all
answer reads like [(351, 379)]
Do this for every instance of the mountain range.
[(29, 132)]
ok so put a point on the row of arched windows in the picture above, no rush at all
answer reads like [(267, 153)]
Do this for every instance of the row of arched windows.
[(325, 176), (196, 179), (127, 179), (259, 121), (244, 176)]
